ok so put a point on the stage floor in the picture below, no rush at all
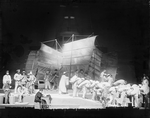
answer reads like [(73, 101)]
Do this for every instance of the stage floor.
[(61, 101)]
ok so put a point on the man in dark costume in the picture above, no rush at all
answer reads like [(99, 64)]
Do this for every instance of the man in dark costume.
[(41, 103)]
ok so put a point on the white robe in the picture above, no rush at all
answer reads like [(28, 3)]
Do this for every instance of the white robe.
[(62, 84)]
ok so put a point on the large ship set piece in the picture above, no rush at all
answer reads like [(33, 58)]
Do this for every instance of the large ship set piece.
[(73, 55)]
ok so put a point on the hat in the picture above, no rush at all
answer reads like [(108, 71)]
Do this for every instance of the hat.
[(23, 71), (30, 73), (18, 70)]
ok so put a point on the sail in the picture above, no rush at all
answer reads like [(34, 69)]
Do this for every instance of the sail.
[(78, 52), (49, 56)]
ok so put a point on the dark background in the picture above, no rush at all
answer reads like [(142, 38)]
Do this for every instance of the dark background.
[(122, 26)]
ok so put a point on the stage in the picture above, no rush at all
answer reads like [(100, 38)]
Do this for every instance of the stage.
[(59, 101), (68, 106)]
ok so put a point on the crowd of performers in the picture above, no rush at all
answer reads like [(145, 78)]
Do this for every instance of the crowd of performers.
[(110, 93), (24, 84), (105, 90)]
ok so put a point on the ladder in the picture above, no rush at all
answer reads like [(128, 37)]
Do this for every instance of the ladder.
[(94, 65)]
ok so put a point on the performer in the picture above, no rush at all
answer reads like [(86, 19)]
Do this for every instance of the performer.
[(119, 82), (6, 89), (31, 80), (145, 90), (87, 85), (85, 81), (24, 78), (64, 81), (46, 78), (78, 81), (55, 79), (97, 92), (86, 76), (37, 99), (22, 91), (41, 103), (103, 75), (7, 78), (135, 92), (105, 85), (73, 81), (110, 80), (81, 73), (17, 78)]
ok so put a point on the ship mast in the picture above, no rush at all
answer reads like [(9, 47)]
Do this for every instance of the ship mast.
[(71, 55)]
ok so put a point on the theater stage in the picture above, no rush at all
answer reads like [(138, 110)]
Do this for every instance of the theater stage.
[(68, 106), (59, 101)]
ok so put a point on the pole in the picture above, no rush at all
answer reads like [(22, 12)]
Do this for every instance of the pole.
[(71, 56), (56, 50), (48, 41), (58, 44)]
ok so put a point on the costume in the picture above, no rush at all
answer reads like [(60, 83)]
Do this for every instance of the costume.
[(40, 102), (17, 78), (73, 81), (23, 79), (6, 89), (47, 83), (6, 78), (22, 91), (145, 91), (31, 81), (62, 84)]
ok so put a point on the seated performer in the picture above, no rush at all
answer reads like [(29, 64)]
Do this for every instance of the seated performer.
[(22, 91), (41, 103), (6, 89), (64, 81), (17, 78), (37, 99)]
